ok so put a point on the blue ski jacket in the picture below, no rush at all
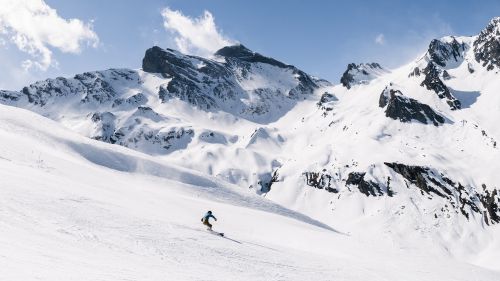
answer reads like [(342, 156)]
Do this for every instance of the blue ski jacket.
[(207, 216)]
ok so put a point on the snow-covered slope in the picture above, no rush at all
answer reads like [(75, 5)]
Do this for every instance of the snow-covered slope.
[(78, 209), (415, 146), (406, 157)]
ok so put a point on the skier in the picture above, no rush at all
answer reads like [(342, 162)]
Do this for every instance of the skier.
[(205, 221)]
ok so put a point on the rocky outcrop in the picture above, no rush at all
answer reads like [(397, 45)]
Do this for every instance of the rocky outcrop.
[(242, 53), (319, 180), (187, 91), (153, 141), (467, 200), (362, 73), (366, 187), (491, 202), (487, 45), (147, 112), (89, 87), (9, 96), (433, 82), (195, 80), (137, 134), (326, 102), (441, 52), (267, 180), (238, 57), (405, 109), (130, 102), (220, 84), (104, 128)]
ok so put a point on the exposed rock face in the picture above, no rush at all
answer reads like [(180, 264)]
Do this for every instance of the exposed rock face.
[(192, 77), (240, 60), (104, 126), (115, 104), (361, 73), (89, 87), (487, 45), (366, 187), (446, 75), (470, 68), (151, 140), (158, 60), (9, 96), (434, 83), (187, 91), (241, 53), (147, 112), (136, 133), (405, 109), (466, 200), (326, 102), (130, 102), (320, 181), (491, 201), (209, 84), (441, 52), (267, 180)]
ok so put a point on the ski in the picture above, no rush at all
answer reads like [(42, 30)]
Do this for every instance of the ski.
[(216, 233)]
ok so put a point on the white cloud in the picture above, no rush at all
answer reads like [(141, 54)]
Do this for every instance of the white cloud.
[(35, 28), (198, 36), (380, 39)]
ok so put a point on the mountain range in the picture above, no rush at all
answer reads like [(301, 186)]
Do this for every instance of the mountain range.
[(409, 152)]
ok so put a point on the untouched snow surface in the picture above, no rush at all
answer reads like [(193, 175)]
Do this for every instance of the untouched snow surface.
[(77, 209)]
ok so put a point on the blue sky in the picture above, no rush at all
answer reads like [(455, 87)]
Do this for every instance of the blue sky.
[(320, 37)]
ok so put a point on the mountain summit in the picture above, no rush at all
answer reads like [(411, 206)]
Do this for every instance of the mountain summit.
[(487, 45), (243, 84)]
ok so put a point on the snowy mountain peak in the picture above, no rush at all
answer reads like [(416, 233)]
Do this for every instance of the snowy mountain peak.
[(363, 73), (167, 61), (128, 107), (246, 84), (493, 26), (446, 49), (237, 51), (487, 45), (458, 56), (242, 53)]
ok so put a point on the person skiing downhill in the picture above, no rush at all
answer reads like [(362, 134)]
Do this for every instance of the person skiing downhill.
[(205, 221)]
